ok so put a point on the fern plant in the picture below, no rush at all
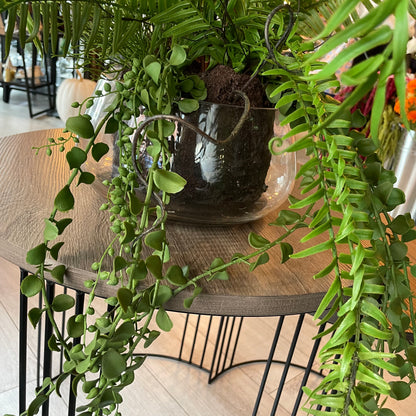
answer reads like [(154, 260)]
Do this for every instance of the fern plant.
[(346, 192)]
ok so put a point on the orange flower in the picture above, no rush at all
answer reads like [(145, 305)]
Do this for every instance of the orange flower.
[(411, 88), (411, 116), (397, 106), (410, 102)]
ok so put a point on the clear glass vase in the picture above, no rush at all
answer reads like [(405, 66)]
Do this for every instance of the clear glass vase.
[(228, 182), (402, 163)]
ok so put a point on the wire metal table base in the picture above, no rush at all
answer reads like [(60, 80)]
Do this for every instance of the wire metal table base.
[(224, 332)]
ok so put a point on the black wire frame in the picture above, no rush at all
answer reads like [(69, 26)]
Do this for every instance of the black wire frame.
[(224, 335)]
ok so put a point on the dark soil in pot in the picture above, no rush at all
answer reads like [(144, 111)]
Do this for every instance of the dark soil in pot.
[(222, 82)]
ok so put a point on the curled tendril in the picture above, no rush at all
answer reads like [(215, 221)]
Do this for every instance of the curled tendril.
[(285, 35), (168, 117), (279, 43)]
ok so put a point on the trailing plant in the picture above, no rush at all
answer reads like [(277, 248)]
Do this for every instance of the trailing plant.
[(349, 195), (346, 192)]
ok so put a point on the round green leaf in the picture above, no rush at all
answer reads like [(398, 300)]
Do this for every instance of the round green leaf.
[(139, 271), (262, 259), (88, 385), (286, 217), (187, 85), (400, 390), (164, 293), (99, 150), (223, 275), (153, 70), (129, 234), (135, 204), (188, 301), (31, 285), (58, 273), (188, 105), (53, 344), (81, 368), (365, 147), (34, 316), (386, 412), (113, 364), (163, 320), (76, 157), (401, 224), (217, 262), (51, 230), (62, 302), (168, 128), (409, 236), (74, 328), (175, 275), (36, 255), (286, 250), (86, 177), (55, 250), (112, 126), (124, 332), (64, 201), (119, 263), (155, 239), (411, 354), (125, 297), (169, 182), (396, 197), (178, 55), (62, 224), (154, 265), (372, 172), (81, 126), (257, 241), (398, 250)]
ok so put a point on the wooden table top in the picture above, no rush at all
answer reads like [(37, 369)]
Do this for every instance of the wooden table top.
[(29, 184)]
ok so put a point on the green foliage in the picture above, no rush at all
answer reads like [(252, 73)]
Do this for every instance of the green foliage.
[(168, 181), (58, 273), (81, 126), (62, 302), (349, 205), (346, 192), (113, 364), (31, 285), (64, 200), (36, 255)]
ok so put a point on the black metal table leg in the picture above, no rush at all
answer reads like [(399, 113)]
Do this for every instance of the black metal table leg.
[(308, 370), (47, 353), (288, 363), (204, 350), (22, 346), (268, 364)]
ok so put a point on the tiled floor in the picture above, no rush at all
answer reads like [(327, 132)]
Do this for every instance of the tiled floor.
[(162, 387), (14, 116)]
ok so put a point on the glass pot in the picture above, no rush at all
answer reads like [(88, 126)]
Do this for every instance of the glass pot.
[(231, 178)]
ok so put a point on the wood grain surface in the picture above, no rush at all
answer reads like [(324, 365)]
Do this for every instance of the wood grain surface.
[(29, 184)]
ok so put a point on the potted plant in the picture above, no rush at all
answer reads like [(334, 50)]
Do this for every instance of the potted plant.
[(346, 191)]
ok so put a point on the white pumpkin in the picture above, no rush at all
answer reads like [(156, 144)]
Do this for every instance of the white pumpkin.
[(71, 90)]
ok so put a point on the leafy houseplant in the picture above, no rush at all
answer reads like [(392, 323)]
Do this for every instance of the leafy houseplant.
[(346, 193)]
